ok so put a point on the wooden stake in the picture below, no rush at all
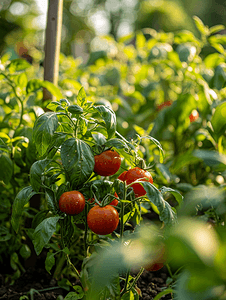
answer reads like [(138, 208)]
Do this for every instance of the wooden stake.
[(52, 44)]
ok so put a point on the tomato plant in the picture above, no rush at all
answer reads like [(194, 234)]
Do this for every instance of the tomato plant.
[(103, 220), (107, 163), (83, 137), (72, 202)]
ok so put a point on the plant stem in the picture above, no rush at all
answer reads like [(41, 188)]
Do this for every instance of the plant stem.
[(126, 282), (73, 267), (169, 270), (67, 256), (122, 213), (10, 83), (86, 229), (136, 278)]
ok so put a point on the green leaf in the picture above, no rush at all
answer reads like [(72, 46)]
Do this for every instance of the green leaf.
[(21, 80), (99, 138), (157, 143), (117, 143), (219, 119), (43, 233), (39, 217), (216, 28), (95, 274), (50, 261), (109, 118), (25, 251), (36, 173), (212, 159), (51, 201), (75, 109), (57, 140), (5, 235), (53, 105), (211, 281), (219, 78), (81, 98), (33, 85), (18, 65), (4, 140), (43, 131), (165, 292), (218, 39), (83, 126), (131, 295), (175, 193), (74, 296), (6, 168), (78, 294), (166, 214), (20, 201), (78, 161), (204, 30), (55, 91)]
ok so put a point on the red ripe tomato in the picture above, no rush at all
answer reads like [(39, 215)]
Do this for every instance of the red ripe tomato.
[(72, 203), (103, 220), (138, 173), (158, 260), (122, 176), (194, 116), (107, 163), (113, 202), (164, 104)]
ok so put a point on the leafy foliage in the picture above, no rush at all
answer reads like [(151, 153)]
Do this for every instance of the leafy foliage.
[(136, 100)]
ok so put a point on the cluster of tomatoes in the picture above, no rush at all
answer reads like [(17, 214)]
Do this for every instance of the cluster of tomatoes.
[(104, 219)]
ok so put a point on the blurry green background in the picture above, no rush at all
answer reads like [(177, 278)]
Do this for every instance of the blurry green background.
[(22, 22)]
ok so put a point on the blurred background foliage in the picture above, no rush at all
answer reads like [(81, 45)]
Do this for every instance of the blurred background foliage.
[(22, 22)]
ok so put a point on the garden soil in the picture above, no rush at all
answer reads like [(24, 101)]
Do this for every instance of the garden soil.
[(150, 284)]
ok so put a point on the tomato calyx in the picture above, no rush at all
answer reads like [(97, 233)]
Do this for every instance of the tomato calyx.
[(109, 199)]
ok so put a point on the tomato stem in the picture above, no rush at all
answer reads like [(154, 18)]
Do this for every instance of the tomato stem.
[(10, 83), (67, 256), (122, 212), (136, 278), (126, 282), (169, 270), (86, 229)]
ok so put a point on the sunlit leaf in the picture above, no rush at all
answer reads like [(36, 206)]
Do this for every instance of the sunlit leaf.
[(43, 131)]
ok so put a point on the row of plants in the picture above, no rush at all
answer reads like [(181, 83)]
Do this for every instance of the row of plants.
[(140, 127)]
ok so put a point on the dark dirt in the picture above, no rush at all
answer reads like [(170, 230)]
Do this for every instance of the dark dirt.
[(150, 284)]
